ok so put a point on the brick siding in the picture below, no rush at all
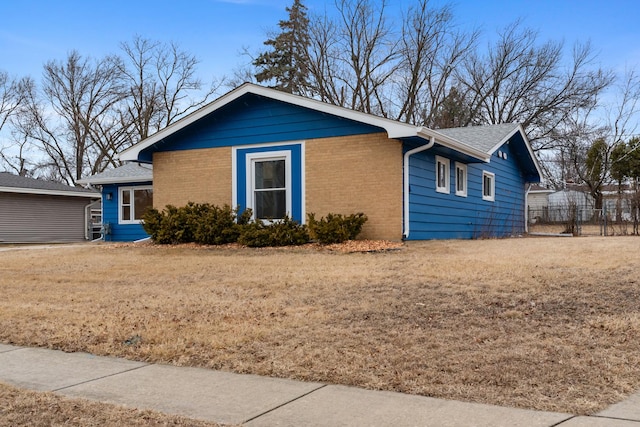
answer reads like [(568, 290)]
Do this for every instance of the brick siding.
[(199, 176), (360, 173)]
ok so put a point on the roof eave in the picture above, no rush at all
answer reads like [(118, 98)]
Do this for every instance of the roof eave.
[(114, 180), (49, 192), (394, 129)]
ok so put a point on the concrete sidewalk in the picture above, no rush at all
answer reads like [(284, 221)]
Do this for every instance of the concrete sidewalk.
[(258, 401)]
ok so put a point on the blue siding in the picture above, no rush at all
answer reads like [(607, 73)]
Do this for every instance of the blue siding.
[(253, 119), (436, 215), (119, 232)]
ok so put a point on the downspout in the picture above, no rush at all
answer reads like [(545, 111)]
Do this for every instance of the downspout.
[(526, 208), (408, 154)]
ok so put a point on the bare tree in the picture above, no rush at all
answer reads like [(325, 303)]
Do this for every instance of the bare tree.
[(353, 57), (67, 121), (161, 84), (589, 142), (431, 51), (87, 110), (521, 80), (13, 93)]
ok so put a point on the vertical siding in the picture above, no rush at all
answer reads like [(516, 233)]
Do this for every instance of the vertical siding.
[(30, 218), (436, 215), (119, 232)]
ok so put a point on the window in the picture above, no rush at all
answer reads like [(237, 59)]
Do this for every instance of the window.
[(134, 201), (488, 186), (269, 189), (269, 180), (461, 179), (442, 175), (269, 184)]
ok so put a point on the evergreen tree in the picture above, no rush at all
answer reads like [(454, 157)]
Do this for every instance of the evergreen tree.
[(454, 111), (286, 63)]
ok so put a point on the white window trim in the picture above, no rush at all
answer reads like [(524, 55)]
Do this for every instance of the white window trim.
[(492, 197), (132, 198), (447, 176), (463, 192), (250, 182)]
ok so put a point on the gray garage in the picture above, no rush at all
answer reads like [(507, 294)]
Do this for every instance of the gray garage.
[(37, 211)]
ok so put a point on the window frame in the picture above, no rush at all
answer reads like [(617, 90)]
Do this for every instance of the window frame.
[(446, 189), (250, 159), (132, 212), (492, 196), (461, 167)]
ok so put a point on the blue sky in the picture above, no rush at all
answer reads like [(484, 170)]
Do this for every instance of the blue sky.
[(35, 31)]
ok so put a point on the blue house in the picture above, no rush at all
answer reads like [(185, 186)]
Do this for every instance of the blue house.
[(279, 153), (127, 192)]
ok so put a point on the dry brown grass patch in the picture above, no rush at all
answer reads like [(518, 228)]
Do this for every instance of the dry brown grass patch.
[(540, 323), (29, 408)]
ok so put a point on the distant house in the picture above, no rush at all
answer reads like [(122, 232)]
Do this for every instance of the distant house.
[(619, 203), (37, 211), (538, 203), (127, 191), (279, 153)]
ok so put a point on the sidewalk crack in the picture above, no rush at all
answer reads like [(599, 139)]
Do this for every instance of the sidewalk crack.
[(102, 377), (284, 404)]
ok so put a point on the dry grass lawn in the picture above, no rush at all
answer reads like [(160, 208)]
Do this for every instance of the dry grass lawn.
[(542, 323), (29, 409)]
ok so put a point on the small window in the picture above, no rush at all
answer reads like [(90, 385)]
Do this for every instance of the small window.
[(134, 202), (269, 190), (488, 186), (442, 175), (461, 179), (269, 184)]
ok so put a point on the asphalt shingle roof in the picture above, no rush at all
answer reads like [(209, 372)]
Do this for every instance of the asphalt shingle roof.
[(9, 180), (484, 138), (129, 172)]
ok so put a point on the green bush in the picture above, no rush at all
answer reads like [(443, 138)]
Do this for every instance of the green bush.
[(285, 232), (200, 223), (212, 225), (335, 228)]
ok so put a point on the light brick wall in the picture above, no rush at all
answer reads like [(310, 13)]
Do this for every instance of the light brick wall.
[(199, 176), (360, 173)]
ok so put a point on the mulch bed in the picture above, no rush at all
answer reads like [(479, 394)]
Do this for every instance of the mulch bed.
[(350, 246)]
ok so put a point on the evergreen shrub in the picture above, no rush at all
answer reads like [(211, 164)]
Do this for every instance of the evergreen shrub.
[(335, 228), (285, 232), (212, 225), (195, 223)]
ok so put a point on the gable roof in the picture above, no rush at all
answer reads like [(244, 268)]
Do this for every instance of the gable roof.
[(477, 142), (394, 129), (129, 172), (489, 138), (10, 183)]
